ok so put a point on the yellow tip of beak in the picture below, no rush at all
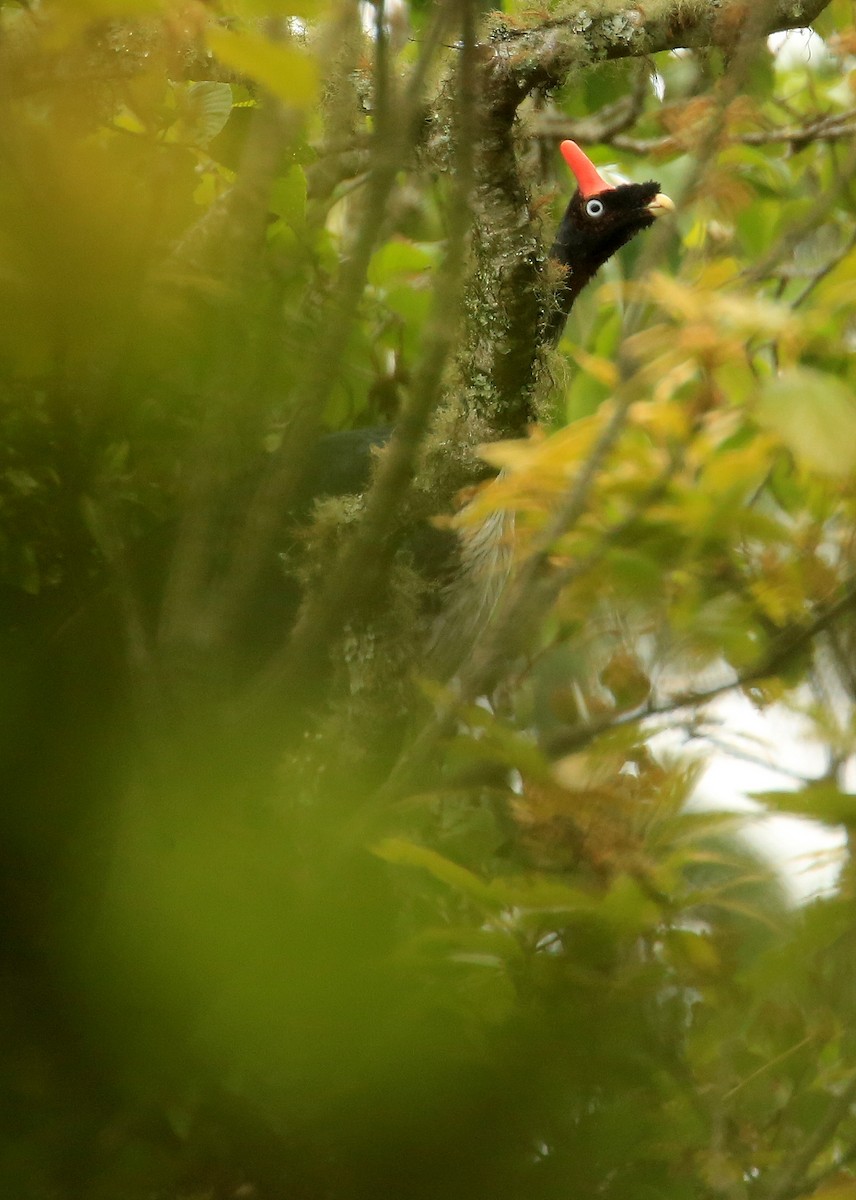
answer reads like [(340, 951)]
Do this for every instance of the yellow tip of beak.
[(659, 205)]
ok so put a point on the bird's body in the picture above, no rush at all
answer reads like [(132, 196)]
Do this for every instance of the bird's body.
[(599, 219)]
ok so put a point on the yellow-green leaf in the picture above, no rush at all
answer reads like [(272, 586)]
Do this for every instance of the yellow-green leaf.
[(531, 892), (822, 801), (815, 416), (304, 9), (288, 73), (403, 853)]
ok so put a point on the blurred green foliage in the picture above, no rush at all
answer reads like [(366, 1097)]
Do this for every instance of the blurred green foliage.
[(348, 930)]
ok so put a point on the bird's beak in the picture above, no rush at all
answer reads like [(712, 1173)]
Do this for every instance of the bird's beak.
[(659, 205)]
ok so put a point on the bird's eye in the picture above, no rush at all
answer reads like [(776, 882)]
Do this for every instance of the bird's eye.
[(594, 207)]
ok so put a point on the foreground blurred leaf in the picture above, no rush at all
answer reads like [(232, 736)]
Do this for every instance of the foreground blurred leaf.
[(402, 853), (822, 801), (815, 415), (533, 892), (287, 73)]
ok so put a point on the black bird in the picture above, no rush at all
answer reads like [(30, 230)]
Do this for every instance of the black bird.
[(600, 219)]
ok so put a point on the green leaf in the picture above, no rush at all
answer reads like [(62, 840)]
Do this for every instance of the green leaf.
[(756, 224), (821, 801), (815, 416), (208, 107), (627, 908), (399, 259), (727, 624), (531, 892), (21, 481), (288, 197), (637, 572), (403, 853), (541, 893), (278, 8)]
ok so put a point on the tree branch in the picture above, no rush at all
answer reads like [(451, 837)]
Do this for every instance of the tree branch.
[(361, 566), (544, 55), (788, 1184), (791, 642), (555, 125)]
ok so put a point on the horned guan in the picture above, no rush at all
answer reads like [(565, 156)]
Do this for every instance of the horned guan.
[(599, 219)]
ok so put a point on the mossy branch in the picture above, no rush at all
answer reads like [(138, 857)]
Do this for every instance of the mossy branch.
[(544, 55)]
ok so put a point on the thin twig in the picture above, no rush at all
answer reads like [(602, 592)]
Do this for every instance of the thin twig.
[(792, 1181), (827, 269), (780, 653), (797, 136), (796, 233)]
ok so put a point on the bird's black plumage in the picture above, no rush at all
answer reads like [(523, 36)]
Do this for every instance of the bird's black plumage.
[(594, 228), (595, 225)]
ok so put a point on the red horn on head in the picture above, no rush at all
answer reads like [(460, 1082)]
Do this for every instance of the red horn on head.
[(588, 179)]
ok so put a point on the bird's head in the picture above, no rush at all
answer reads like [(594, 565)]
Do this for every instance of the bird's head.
[(601, 218)]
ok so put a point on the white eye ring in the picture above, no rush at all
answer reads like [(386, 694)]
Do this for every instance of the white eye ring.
[(594, 207)]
